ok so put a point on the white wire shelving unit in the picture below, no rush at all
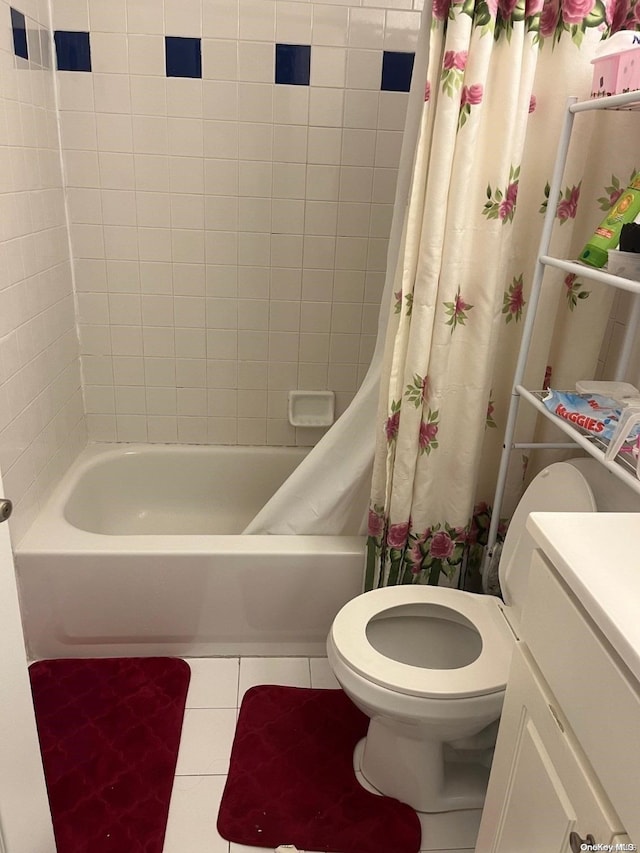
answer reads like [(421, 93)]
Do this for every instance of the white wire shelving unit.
[(622, 467)]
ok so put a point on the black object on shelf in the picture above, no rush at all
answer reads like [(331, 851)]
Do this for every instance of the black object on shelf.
[(630, 238)]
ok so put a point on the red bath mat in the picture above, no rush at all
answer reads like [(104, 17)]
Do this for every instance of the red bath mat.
[(109, 732), (291, 778)]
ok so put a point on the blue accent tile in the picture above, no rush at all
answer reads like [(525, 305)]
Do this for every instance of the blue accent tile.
[(293, 64), (73, 50), (19, 26), (396, 71), (183, 57)]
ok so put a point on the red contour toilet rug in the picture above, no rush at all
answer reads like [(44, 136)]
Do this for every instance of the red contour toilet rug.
[(291, 779)]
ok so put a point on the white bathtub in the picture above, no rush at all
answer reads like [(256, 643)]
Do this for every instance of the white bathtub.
[(139, 552)]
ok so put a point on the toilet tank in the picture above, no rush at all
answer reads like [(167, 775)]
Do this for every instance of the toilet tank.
[(560, 487), (610, 493), (596, 489)]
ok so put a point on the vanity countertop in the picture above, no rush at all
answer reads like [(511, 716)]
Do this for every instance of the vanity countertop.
[(598, 556)]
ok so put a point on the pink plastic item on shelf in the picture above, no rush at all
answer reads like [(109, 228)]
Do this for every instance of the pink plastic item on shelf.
[(617, 67)]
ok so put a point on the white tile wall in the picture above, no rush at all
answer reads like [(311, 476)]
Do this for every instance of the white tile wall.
[(613, 342), (41, 415), (229, 234)]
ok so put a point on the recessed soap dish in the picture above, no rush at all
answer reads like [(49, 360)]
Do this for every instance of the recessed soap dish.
[(311, 408)]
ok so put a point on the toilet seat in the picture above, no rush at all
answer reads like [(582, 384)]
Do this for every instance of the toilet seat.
[(486, 674)]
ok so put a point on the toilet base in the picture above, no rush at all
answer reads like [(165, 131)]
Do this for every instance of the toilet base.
[(414, 770)]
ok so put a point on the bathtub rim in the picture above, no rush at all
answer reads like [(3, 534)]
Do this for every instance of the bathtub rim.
[(50, 532)]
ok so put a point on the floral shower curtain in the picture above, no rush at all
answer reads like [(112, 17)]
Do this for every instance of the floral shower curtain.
[(495, 95)]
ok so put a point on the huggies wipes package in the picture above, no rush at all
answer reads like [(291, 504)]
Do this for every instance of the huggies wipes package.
[(592, 413)]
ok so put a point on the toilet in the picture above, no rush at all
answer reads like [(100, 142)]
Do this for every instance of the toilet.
[(429, 665)]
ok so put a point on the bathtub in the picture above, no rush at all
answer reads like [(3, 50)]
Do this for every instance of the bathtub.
[(139, 552)]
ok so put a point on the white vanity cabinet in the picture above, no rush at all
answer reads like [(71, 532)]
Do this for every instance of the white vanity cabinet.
[(566, 769)]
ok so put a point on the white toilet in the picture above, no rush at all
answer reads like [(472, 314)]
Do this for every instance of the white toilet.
[(429, 664)]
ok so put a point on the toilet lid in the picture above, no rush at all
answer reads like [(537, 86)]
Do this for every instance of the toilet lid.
[(486, 674)]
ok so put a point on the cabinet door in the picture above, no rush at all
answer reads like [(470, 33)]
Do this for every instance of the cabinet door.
[(541, 788)]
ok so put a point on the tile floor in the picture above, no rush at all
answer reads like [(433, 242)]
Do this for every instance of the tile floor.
[(215, 693)]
